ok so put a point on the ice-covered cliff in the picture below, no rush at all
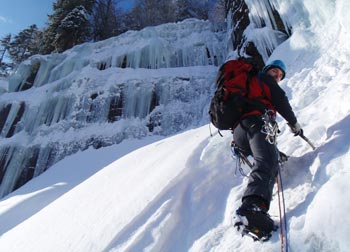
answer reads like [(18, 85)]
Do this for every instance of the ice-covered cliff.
[(154, 81), (256, 27)]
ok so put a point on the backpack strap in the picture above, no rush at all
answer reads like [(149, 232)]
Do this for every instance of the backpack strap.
[(261, 85), (250, 75), (256, 103)]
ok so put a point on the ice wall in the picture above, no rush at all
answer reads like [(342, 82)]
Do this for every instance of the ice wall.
[(154, 81), (256, 28)]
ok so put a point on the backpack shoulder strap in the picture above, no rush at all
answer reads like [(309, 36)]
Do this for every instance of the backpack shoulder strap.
[(250, 75), (261, 85)]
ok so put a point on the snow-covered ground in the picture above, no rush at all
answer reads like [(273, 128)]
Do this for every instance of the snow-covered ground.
[(178, 194)]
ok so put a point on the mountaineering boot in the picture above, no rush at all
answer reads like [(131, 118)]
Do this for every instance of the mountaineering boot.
[(253, 220)]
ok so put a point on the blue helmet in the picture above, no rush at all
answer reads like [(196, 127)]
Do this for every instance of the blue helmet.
[(276, 63)]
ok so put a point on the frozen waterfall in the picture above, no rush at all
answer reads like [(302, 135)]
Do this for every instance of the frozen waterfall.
[(154, 81)]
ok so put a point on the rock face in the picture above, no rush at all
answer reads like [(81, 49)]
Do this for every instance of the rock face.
[(256, 28), (154, 81)]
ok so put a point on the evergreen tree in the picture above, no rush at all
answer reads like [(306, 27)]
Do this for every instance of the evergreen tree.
[(48, 36), (63, 23), (73, 29), (25, 44), (5, 45), (5, 67)]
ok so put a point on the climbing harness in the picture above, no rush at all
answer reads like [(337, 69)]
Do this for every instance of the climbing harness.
[(270, 127)]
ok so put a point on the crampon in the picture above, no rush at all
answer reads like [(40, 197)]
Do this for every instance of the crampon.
[(257, 232)]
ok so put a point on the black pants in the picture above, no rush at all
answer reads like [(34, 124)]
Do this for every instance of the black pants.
[(248, 137)]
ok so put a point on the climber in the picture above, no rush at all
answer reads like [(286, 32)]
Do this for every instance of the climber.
[(250, 139)]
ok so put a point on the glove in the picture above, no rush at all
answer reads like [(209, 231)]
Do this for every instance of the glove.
[(296, 129)]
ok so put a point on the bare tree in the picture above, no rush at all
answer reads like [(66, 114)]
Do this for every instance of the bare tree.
[(152, 12), (105, 19)]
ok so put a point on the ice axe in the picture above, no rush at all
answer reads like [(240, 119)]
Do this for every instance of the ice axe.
[(307, 140)]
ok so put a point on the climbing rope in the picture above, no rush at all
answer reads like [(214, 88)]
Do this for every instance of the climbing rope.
[(270, 128), (240, 159), (282, 213)]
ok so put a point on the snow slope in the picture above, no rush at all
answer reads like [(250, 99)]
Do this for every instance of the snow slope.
[(179, 193)]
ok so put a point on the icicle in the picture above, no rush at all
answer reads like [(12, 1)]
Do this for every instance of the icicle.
[(138, 99), (14, 159), (18, 78), (13, 117)]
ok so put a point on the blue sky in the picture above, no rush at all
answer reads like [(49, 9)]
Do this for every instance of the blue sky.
[(16, 15)]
